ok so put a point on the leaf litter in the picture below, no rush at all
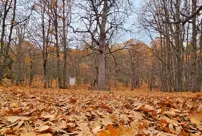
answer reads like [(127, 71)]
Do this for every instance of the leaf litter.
[(38, 112)]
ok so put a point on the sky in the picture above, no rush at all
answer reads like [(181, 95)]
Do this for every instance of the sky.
[(131, 24)]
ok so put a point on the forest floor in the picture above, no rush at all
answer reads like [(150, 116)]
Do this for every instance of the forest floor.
[(77, 112)]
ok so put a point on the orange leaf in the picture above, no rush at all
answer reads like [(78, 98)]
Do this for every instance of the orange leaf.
[(103, 106), (103, 133), (72, 100), (184, 133), (163, 109), (113, 131)]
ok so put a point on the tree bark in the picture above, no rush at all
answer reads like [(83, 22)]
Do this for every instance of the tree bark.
[(194, 50), (4, 56), (102, 48), (65, 48), (101, 71), (57, 44)]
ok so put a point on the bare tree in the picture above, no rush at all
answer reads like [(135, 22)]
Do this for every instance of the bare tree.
[(9, 6), (102, 19), (171, 20), (42, 8), (66, 20)]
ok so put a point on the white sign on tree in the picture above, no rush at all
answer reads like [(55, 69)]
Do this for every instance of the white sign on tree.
[(72, 81)]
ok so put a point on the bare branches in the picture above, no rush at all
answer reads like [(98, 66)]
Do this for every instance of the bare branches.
[(187, 18), (119, 49)]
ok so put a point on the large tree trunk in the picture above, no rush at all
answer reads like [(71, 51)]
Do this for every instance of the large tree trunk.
[(101, 71), (102, 48)]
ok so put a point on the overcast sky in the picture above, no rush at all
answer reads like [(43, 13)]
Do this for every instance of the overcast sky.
[(132, 24)]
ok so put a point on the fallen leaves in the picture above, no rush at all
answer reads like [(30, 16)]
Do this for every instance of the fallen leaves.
[(35, 134), (105, 107), (35, 112), (44, 128), (72, 100), (29, 134), (196, 118), (14, 105), (112, 131), (13, 119)]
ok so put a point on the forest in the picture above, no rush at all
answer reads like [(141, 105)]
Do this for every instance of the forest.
[(44, 43), (100, 67)]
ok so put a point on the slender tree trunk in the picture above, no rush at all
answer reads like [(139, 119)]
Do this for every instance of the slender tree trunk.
[(194, 50), (44, 51), (31, 74), (19, 58), (65, 48), (57, 45), (187, 68), (45, 74), (132, 69), (115, 71), (161, 64), (96, 70)]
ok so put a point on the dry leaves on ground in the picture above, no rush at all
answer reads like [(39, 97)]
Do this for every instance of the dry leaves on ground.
[(35, 112)]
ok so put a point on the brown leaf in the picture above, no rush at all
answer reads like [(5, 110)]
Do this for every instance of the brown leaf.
[(48, 134), (196, 118), (13, 119), (44, 128), (29, 134)]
